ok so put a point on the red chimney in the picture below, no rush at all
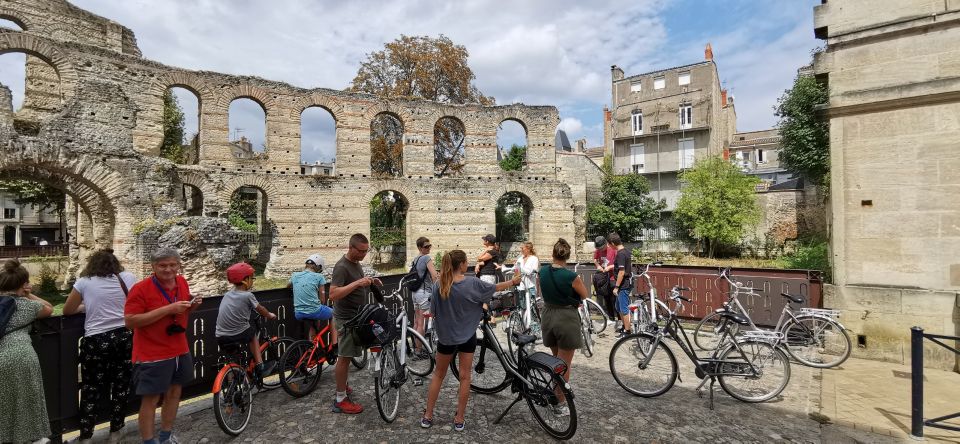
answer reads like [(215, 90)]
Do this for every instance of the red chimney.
[(723, 97), (607, 115), (708, 53)]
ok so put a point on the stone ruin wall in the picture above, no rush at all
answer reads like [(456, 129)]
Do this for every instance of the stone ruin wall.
[(101, 146)]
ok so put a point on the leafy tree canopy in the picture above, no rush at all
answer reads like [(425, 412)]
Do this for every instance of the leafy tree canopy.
[(625, 207), (172, 146), (717, 202), (515, 159), (28, 192), (805, 135)]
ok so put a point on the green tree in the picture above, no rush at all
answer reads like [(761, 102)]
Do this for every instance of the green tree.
[(625, 207), (386, 146), (515, 159), (804, 133), (388, 215), (241, 212), (512, 214), (717, 202), (40, 195), (172, 146)]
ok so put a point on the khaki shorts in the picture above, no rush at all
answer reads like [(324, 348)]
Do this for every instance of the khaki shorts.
[(348, 344), (561, 327)]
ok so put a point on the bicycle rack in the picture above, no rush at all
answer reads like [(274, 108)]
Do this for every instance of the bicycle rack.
[(833, 314)]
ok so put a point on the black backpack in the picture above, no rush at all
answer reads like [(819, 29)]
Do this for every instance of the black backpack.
[(374, 325), (7, 307), (414, 280), (601, 283)]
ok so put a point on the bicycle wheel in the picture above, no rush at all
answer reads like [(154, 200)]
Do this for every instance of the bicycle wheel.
[(300, 369), (709, 330), (546, 405), (766, 378), (587, 348), (385, 385), (231, 405), (514, 324), (817, 342), (597, 316), (272, 352), (420, 363), (626, 365), (361, 361), (488, 374)]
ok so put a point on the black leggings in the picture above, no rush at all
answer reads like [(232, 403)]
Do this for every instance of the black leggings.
[(104, 377)]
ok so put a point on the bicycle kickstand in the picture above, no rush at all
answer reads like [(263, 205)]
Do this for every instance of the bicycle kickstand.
[(515, 401), (700, 389)]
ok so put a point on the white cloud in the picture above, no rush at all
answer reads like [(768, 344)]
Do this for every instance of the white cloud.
[(570, 125)]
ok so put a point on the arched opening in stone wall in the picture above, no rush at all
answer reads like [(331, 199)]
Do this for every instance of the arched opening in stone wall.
[(513, 215), (248, 213), (181, 125), (318, 142), (512, 145), (248, 128), (7, 22), (386, 145), (388, 230), (30, 91), (449, 156), (192, 199)]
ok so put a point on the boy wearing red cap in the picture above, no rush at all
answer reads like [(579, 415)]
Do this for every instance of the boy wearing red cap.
[(233, 319)]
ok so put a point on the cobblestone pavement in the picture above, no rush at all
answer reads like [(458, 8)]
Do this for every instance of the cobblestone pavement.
[(607, 414)]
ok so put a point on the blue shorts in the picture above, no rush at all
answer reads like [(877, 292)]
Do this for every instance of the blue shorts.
[(322, 314), (623, 301)]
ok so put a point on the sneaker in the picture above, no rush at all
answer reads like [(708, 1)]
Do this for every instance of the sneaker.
[(171, 440), (623, 333), (561, 410), (347, 406), (459, 426), (426, 423)]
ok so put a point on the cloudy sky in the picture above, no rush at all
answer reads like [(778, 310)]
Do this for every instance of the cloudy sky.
[(538, 52)]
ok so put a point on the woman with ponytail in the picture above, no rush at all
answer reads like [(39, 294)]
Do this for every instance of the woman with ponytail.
[(456, 305)]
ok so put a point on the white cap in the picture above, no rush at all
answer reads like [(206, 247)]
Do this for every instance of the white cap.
[(315, 259)]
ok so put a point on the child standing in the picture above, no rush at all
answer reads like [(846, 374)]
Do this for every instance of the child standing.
[(233, 319)]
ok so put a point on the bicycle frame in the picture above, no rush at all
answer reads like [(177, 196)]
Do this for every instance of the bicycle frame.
[(401, 321), (527, 315), (318, 344), (512, 366), (654, 301)]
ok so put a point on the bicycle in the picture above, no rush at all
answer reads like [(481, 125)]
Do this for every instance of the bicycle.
[(646, 309), (233, 386), (390, 365), (535, 377), (593, 311), (525, 320), (812, 336), (302, 363), (750, 368)]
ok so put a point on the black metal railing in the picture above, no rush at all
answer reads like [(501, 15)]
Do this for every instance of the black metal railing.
[(917, 423), (19, 251)]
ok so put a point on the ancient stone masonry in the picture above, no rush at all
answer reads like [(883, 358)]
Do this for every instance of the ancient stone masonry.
[(96, 132)]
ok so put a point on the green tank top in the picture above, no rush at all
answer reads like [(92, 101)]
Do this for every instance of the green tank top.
[(557, 286)]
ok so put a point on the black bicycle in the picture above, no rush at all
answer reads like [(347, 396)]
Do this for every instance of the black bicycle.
[(534, 377), (750, 367)]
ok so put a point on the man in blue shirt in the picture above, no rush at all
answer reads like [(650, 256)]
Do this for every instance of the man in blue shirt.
[(309, 294)]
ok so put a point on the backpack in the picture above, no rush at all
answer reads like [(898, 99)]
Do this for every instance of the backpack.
[(413, 280), (7, 307), (374, 325), (601, 283)]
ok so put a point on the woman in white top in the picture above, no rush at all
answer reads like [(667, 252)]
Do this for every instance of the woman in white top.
[(527, 264), (105, 349)]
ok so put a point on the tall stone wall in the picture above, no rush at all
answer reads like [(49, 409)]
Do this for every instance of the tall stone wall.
[(101, 146)]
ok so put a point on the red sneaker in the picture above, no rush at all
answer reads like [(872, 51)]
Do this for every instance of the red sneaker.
[(347, 406)]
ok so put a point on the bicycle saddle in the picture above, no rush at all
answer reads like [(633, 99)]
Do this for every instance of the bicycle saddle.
[(522, 340), (793, 298), (735, 317)]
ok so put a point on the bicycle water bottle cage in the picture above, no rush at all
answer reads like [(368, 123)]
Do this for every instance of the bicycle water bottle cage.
[(735, 317)]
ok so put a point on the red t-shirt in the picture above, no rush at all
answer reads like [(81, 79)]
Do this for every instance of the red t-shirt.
[(609, 253), (151, 342)]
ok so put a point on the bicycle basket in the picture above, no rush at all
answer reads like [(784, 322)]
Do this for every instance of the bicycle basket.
[(549, 362), (503, 300), (374, 325)]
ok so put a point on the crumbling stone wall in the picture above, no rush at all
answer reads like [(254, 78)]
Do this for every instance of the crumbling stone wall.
[(101, 146)]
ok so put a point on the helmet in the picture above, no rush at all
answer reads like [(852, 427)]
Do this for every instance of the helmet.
[(316, 259), (238, 272)]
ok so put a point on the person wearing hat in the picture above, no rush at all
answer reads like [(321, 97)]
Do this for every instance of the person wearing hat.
[(603, 258), (233, 319), (309, 294), (489, 260)]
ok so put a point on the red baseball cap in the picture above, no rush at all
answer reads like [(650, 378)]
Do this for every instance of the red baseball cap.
[(238, 272)]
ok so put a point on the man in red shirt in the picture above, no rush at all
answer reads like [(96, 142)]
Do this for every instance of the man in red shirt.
[(158, 310), (603, 258)]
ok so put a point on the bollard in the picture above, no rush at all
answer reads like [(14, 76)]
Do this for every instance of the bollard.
[(916, 382)]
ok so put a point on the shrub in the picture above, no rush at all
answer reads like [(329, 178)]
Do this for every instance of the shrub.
[(47, 286), (811, 255)]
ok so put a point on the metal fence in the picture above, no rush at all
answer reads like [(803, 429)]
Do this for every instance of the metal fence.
[(57, 341), (917, 423), (18, 251)]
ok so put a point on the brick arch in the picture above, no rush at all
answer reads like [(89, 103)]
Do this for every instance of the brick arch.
[(256, 181), (328, 103), (24, 24), (185, 80), (51, 30), (204, 184), (49, 53), (244, 91), (519, 188), (393, 185), (406, 118)]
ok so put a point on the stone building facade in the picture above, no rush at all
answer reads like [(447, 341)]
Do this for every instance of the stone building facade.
[(893, 72), (99, 140)]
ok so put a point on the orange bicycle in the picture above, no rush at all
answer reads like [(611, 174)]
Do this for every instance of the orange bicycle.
[(233, 387), (302, 363)]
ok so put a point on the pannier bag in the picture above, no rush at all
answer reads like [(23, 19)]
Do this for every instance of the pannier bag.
[(374, 325)]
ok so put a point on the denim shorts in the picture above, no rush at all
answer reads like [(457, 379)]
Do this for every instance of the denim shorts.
[(322, 314), (154, 378), (623, 301)]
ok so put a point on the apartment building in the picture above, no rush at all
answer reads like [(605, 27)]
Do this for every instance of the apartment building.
[(25, 225), (757, 153), (662, 121)]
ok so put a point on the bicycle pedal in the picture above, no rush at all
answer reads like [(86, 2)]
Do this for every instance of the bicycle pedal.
[(417, 382)]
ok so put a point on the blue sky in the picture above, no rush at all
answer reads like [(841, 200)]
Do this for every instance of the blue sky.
[(538, 52)]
